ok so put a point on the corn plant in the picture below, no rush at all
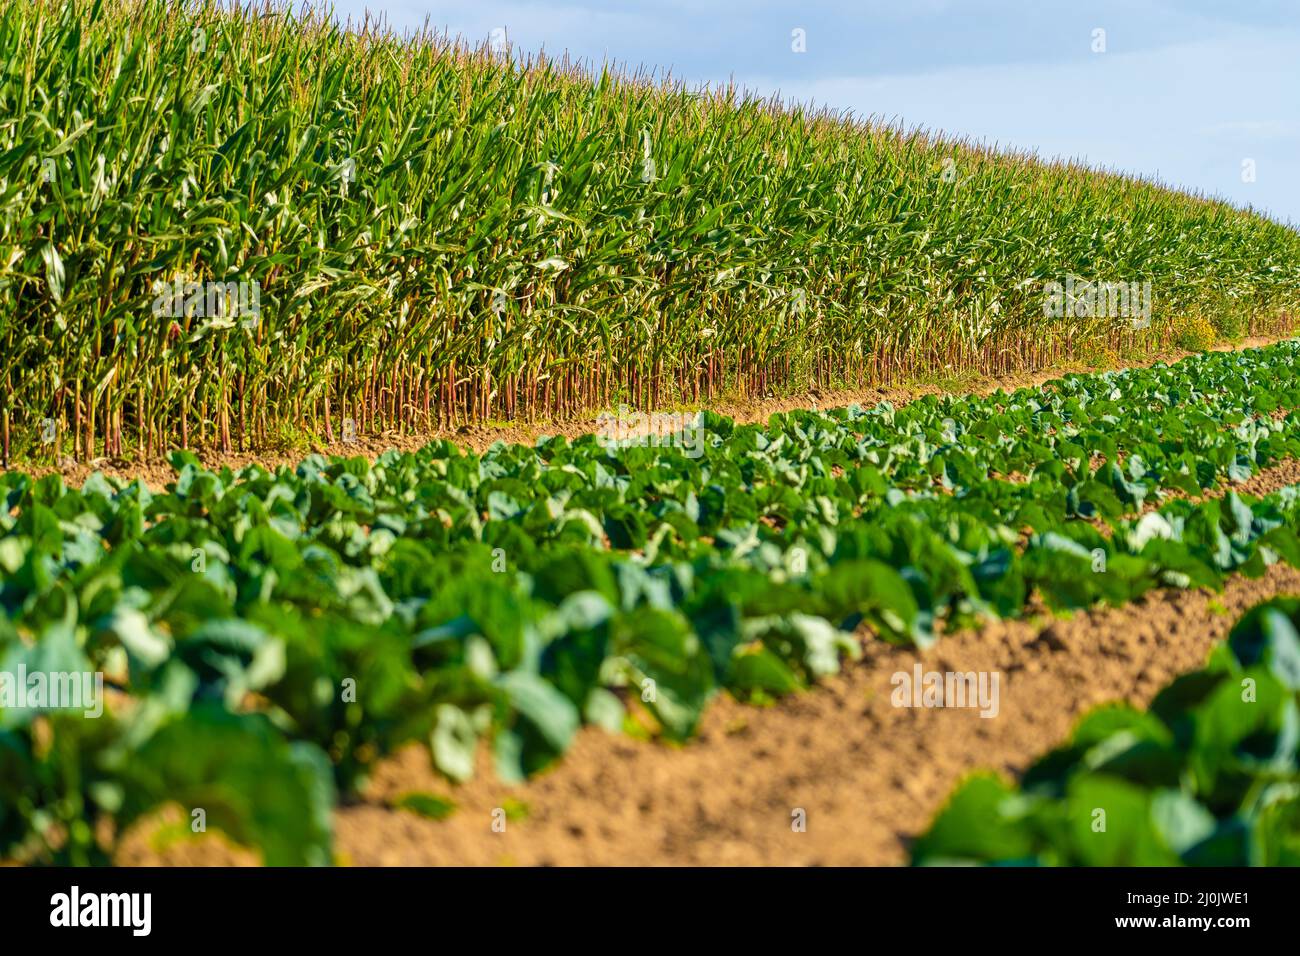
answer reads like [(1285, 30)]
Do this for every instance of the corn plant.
[(435, 234)]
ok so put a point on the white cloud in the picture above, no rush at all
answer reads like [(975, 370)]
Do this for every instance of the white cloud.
[(1185, 114)]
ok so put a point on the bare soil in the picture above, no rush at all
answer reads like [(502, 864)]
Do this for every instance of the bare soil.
[(1263, 482), (1271, 479), (869, 776)]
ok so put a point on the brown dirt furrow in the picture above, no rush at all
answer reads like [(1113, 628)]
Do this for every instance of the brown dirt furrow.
[(1264, 482), (1270, 479), (478, 437), (868, 775)]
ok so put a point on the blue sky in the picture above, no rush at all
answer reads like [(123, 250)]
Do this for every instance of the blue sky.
[(1197, 94)]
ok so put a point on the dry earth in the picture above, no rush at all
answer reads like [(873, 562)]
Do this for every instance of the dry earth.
[(868, 775)]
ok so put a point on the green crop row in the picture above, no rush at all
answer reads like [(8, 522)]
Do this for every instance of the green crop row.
[(420, 233), (1208, 775), (305, 622)]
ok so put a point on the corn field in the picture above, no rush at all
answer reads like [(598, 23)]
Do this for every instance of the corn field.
[(436, 234)]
